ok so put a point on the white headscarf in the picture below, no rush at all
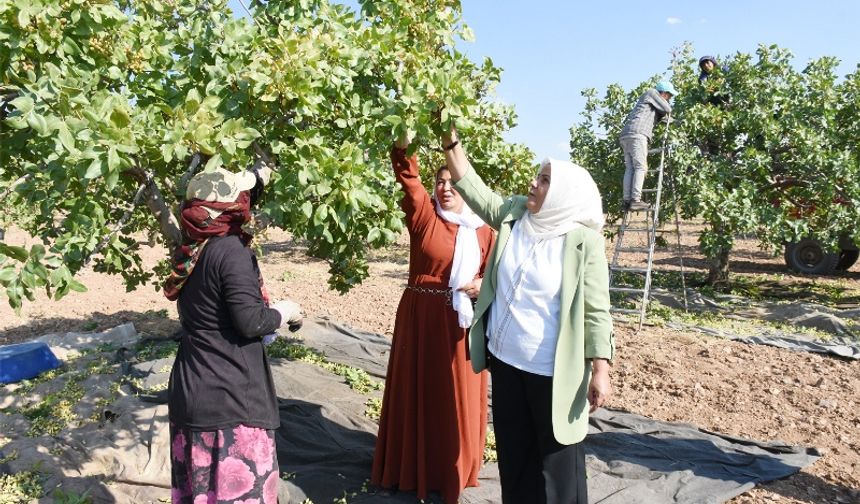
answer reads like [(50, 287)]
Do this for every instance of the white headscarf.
[(467, 259), (572, 200)]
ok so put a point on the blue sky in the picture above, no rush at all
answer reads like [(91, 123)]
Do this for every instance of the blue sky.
[(552, 49)]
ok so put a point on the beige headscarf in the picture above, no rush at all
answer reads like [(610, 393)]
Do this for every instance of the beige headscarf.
[(572, 200)]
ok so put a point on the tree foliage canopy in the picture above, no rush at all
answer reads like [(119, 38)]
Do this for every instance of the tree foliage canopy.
[(108, 104), (758, 147)]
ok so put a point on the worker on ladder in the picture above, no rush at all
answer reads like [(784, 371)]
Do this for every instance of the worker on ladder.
[(638, 129)]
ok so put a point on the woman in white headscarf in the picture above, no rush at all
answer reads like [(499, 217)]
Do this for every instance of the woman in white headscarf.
[(541, 324), (434, 411)]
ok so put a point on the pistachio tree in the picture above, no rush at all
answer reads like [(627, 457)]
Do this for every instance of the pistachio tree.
[(107, 108), (758, 148)]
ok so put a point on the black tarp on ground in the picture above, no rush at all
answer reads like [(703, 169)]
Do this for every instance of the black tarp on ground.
[(325, 443), (631, 459), (844, 325)]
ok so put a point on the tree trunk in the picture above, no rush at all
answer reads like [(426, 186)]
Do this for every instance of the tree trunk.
[(166, 220), (718, 275)]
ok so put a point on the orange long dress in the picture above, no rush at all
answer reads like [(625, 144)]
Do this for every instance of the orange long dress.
[(434, 409)]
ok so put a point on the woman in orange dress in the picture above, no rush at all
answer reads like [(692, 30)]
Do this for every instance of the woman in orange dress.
[(434, 411)]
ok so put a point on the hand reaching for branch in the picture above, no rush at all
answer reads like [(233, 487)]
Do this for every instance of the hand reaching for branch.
[(402, 142)]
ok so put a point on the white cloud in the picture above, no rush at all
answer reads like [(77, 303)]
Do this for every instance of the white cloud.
[(673, 20)]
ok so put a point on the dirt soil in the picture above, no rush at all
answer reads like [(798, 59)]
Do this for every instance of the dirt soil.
[(756, 392)]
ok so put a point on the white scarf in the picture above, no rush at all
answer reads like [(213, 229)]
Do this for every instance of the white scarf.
[(467, 259), (572, 200)]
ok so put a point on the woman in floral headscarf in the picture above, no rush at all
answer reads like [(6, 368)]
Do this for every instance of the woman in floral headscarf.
[(542, 325), (222, 404)]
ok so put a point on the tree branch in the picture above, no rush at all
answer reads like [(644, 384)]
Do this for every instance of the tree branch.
[(265, 156), (119, 225), (155, 202), (15, 184), (250, 16), (186, 177)]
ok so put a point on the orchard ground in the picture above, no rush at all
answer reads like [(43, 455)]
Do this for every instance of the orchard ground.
[(750, 391)]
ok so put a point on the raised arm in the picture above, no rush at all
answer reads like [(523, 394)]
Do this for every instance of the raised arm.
[(659, 103), (416, 202), (481, 199), (455, 156)]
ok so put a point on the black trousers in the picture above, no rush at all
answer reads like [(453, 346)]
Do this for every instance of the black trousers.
[(533, 466)]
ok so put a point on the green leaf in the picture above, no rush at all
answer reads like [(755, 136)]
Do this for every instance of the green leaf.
[(112, 159), (24, 18), (95, 169), (373, 235), (66, 138), (192, 101), (167, 151), (327, 235), (120, 117), (28, 280), (307, 209), (38, 123), (213, 163), (17, 253), (13, 294), (112, 179), (17, 123), (23, 104), (467, 34), (76, 286), (60, 275), (70, 47), (37, 252), (229, 146), (7, 274), (320, 214)]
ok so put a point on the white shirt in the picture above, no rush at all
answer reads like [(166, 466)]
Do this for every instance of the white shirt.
[(523, 328)]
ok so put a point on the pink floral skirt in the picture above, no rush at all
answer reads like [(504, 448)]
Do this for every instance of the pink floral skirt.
[(237, 465)]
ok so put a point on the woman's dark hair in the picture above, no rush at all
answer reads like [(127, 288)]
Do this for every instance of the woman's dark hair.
[(441, 168)]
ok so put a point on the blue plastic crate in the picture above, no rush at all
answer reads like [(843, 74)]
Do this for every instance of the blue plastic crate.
[(25, 360)]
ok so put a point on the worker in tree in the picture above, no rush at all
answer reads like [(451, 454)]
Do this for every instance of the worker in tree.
[(638, 129), (707, 64)]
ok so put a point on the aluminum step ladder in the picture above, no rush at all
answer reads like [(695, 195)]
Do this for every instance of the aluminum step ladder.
[(646, 229)]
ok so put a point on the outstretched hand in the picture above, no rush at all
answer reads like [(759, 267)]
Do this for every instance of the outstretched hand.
[(402, 142)]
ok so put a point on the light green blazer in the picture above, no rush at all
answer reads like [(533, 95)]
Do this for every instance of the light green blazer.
[(585, 328)]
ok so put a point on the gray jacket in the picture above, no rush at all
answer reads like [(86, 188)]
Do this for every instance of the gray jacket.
[(640, 120)]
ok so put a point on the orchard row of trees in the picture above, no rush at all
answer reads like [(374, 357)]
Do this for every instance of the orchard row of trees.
[(759, 148), (108, 107)]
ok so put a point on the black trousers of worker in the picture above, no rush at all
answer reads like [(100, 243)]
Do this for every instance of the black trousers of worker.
[(534, 468)]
